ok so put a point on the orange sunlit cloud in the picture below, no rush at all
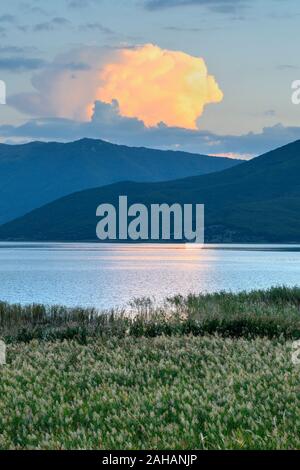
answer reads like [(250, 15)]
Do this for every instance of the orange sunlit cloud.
[(157, 85)]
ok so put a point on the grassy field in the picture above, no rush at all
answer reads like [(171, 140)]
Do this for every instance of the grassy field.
[(201, 373)]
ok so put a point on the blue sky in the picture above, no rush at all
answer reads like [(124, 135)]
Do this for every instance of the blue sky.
[(249, 47)]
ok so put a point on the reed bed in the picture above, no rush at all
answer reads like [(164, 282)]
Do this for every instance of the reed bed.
[(271, 313), (199, 372), (179, 392)]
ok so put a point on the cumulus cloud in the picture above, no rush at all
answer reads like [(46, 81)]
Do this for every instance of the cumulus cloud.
[(66, 88), (108, 116), (151, 84), (158, 85)]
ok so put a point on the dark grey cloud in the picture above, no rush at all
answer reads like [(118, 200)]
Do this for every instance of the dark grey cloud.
[(80, 3), (17, 50), (29, 9), (183, 29), (95, 26), (287, 67), (7, 19), (23, 27), (221, 6), (20, 64), (107, 124), (51, 25), (11, 50)]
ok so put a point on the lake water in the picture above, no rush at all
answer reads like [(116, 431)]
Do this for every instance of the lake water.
[(105, 276)]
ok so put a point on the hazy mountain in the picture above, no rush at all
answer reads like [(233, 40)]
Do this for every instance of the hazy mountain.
[(37, 173), (256, 201)]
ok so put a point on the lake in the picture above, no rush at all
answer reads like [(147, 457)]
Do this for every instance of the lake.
[(105, 276)]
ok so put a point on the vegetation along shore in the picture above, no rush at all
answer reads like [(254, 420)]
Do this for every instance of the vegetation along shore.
[(202, 372)]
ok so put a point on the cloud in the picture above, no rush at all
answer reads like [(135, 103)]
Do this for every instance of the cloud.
[(20, 64), (151, 84), (51, 25), (232, 155), (96, 27), (66, 87), (108, 124), (7, 19), (16, 50), (158, 85), (108, 115), (181, 29), (29, 9), (221, 6), (80, 3), (287, 67)]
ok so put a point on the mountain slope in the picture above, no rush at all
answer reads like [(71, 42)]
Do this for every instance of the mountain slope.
[(37, 173), (257, 201)]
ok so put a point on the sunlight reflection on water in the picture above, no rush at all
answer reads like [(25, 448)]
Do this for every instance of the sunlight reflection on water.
[(105, 276)]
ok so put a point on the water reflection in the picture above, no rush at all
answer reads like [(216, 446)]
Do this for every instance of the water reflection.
[(111, 275)]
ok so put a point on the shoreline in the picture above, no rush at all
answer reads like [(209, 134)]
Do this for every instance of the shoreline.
[(271, 313)]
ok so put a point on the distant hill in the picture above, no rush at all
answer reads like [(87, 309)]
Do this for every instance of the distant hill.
[(34, 174), (257, 201)]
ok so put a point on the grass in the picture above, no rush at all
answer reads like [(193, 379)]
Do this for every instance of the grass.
[(202, 372), (150, 393), (271, 313)]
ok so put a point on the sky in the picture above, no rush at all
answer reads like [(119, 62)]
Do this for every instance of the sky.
[(204, 76)]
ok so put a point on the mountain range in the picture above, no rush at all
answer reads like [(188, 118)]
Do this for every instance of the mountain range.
[(36, 173), (256, 201)]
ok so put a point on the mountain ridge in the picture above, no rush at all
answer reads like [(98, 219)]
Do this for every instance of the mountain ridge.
[(36, 173), (257, 201)]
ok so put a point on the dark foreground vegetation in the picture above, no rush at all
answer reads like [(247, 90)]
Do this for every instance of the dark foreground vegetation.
[(203, 372)]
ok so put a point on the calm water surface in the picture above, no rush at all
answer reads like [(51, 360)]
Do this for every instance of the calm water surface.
[(105, 276)]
